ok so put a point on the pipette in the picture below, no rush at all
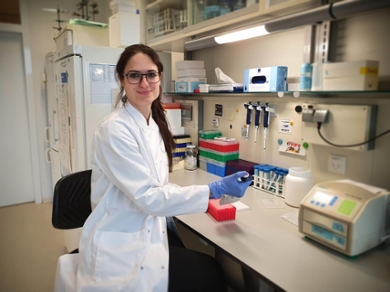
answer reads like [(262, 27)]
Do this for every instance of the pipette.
[(266, 122), (257, 119), (227, 199), (249, 108)]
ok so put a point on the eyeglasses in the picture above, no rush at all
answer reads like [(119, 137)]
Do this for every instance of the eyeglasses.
[(136, 78)]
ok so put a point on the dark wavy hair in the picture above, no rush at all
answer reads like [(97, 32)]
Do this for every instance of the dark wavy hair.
[(158, 112)]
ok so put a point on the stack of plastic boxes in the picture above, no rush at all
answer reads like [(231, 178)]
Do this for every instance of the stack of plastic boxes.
[(215, 151), (181, 142), (269, 178)]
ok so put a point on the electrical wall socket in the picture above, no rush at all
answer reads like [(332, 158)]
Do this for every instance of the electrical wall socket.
[(346, 125), (337, 164)]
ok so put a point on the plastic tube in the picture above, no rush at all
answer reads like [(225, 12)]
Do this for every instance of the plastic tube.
[(266, 173)]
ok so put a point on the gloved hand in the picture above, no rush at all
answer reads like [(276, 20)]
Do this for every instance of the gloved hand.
[(230, 185)]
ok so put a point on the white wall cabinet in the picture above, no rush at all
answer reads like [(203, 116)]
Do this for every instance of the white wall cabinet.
[(169, 24)]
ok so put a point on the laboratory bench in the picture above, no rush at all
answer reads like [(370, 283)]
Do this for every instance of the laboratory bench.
[(273, 249)]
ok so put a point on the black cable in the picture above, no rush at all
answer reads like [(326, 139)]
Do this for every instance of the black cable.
[(352, 145)]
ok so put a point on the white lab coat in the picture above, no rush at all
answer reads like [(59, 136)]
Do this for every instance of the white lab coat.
[(124, 246)]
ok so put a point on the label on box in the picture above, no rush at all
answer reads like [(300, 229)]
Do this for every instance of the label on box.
[(188, 84), (351, 69)]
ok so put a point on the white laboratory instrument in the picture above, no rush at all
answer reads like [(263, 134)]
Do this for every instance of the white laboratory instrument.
[(345, 215)]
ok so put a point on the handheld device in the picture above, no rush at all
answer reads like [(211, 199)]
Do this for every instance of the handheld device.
[(226, 199)]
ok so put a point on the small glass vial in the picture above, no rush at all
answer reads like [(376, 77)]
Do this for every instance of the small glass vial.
[(190, 160), (298, 183)]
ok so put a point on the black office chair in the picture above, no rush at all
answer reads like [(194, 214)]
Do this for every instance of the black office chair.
[(72, 201)]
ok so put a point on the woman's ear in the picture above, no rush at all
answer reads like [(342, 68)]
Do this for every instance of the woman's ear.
[(121, 80)]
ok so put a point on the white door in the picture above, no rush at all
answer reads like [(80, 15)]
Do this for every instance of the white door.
[(16, 176)]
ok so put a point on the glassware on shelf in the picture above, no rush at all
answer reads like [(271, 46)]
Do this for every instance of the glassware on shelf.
[(168, 21), (239, 4), (225, 7)]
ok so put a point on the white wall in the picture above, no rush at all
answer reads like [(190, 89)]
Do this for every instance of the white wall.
[(41, 36), (363, 37)]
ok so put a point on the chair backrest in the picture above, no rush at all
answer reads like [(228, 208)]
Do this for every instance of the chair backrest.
[(72, 200)]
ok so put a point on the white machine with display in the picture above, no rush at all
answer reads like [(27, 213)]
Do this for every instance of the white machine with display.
[(345, 215)]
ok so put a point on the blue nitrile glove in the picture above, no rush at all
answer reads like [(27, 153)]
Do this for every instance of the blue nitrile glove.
[(230, 185)]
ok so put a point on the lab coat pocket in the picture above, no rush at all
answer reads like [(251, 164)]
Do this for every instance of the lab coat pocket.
[(119, 255), (129, 205)]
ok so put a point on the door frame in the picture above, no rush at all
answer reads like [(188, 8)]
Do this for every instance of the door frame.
[(23, 30)]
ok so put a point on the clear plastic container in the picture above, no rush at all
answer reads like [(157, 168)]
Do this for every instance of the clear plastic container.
[(191, 158), (216, 167), (203, 163)]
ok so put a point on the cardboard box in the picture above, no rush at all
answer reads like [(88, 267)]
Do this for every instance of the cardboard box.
[(349, 76), (226, 87), (173, 117), (188, 84), (198, 72), (269, 79), (75, 34), (119, 24), (189, 64)]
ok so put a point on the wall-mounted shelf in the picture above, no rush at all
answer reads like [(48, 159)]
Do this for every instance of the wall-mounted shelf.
[(376, 94)]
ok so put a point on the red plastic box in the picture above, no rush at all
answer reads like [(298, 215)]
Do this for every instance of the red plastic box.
[(204, 143), (224, 146), (221, 212)]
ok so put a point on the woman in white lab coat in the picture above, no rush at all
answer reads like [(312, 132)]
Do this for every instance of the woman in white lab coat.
[(125, 244)]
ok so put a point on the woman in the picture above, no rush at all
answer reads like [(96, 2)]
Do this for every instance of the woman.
[(125, 245)]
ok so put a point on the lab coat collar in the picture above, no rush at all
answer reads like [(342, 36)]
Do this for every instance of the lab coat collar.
[(140, 119)]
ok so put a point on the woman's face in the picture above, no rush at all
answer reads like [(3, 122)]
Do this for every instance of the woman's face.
[(141, 94)]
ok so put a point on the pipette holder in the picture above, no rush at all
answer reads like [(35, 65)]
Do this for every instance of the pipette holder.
[(272, 109)]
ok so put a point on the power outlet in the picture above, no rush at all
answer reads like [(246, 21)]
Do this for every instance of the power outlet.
[(337, 164)]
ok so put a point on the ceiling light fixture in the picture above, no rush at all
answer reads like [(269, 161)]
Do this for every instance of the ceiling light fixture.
[(241, 35)]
